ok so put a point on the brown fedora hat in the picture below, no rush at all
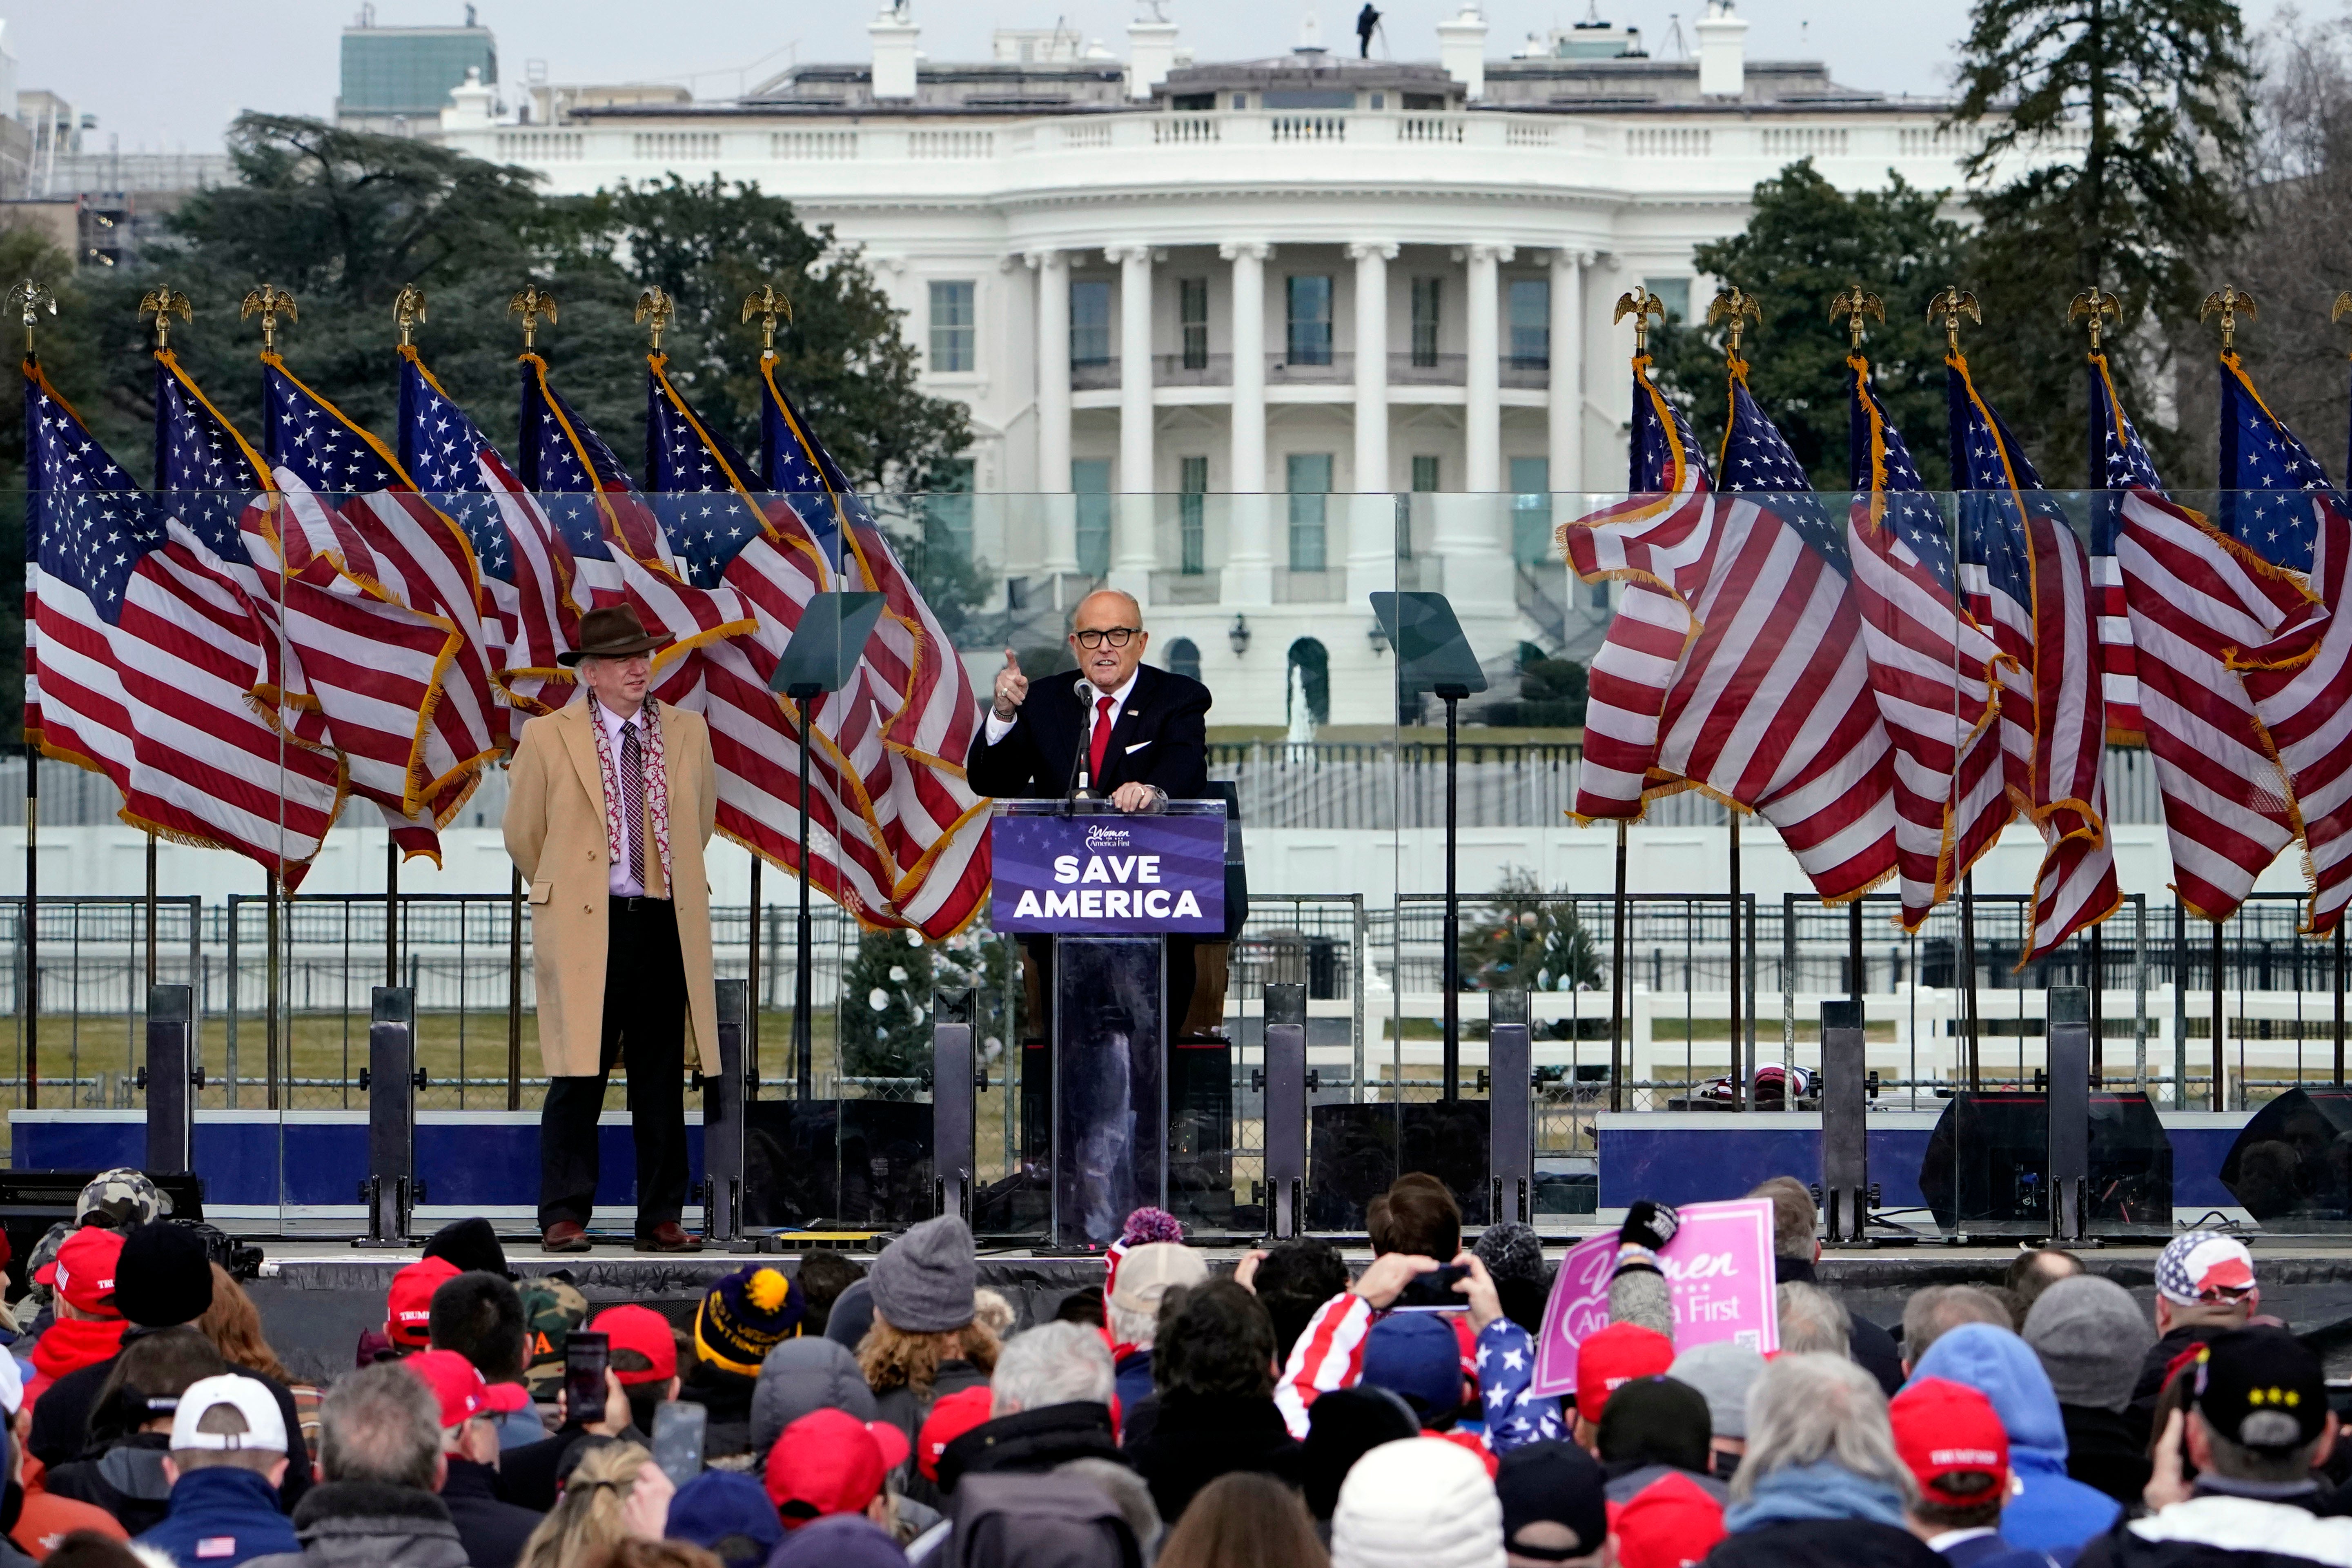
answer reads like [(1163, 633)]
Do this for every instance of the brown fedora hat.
[(614, 633)]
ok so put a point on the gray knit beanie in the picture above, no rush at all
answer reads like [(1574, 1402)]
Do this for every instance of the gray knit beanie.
[(1721, 1372), (2092, 1337), (923, 1283), (1511, 1250)]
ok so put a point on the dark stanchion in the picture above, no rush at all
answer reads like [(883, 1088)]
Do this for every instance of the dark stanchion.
[(2219, 1100), (955, 1162), (1510, 1107), (1618, 990), (723, 1124), (1968, 1020), (2069, 1054), (1285, 1109), (391, 1190), (170, 1077), (1846, 1110)]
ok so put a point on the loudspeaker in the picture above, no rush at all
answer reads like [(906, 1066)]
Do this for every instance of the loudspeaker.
[(1988, 1164), (2294, 1159)]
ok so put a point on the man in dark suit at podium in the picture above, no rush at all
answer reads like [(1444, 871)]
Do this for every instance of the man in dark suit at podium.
[(1138, 733)]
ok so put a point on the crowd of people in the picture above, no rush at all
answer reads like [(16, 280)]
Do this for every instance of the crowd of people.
[(1289, 1413)]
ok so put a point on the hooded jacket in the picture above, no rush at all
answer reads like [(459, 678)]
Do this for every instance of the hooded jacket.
[(233, 1512), (365, 1524), (2051, 1512), (2215, 1532), (800, 1375), (1814, 1514), (126, 1480)]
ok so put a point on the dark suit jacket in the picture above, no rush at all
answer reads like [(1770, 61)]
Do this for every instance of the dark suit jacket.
[(1160, 739)]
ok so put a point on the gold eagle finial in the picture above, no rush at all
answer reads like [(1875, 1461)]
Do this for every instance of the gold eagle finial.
[(270, 302)]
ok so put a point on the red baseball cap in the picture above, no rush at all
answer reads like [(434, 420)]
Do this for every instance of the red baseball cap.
[(83, 1272), (951, 1416), (1943, 1430), (408, 1311), (829, 1462), (645, 1331), (456, 1381), (1613, 1357), (504, 1398), (1670, 1523)]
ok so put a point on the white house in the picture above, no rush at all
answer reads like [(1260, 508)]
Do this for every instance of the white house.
[(1212, 320)]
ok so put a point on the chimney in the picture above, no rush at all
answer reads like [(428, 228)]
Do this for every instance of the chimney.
[(1462, 50), (1722, 52), (472, 104), (893, 33), (1151, 54)]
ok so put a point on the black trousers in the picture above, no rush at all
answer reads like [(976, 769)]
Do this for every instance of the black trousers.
[(1037, 1062), (645, 1031)]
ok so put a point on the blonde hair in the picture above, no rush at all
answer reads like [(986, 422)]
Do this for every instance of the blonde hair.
[(992, 1312), (891, 1358), (233, 1325), (587, 1517)]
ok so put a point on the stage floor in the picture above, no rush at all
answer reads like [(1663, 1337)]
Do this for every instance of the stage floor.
[(316, 1298)]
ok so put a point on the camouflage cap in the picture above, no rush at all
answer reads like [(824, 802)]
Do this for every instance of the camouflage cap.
[(121, 1197), (551, 1308), (45, 1253)]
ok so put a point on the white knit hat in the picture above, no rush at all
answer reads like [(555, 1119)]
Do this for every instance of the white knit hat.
[(1418, 1502)]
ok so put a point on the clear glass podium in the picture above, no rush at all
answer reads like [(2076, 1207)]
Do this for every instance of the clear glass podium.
[(1101, 897)]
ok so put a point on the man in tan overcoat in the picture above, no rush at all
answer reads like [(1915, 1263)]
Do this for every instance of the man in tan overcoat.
[(610, 803)]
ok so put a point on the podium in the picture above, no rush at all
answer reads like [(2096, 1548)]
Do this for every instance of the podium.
[(1106, 889)]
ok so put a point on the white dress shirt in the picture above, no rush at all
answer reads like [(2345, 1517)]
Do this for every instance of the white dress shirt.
[(622, 884), (1000, 727)]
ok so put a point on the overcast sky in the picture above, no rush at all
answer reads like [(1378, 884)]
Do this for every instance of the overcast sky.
[(172, 73)]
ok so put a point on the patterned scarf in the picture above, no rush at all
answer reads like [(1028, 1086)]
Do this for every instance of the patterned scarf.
[(608, 770)]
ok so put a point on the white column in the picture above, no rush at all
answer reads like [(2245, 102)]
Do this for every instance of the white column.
[(1060, 516), (1372, 510), (1567, 409), (1248, 577), (1133, 553), (1483, 391)]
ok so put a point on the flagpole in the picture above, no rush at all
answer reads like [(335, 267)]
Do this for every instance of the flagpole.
[(150, 912), (1969, 969), (1618, 995), (391, 908), (2220, 1022), (752, 985), (270, 1029), (1739, 1083), (32, 924)]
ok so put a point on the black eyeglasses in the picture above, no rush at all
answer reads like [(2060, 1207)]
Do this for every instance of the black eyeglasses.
[(1115, 636)]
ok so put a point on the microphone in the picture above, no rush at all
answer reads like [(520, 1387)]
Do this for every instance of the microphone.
[(1081, 787)]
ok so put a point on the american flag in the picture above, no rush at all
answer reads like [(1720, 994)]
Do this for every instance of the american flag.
[(1770, 708), (1656, 544), (2302, 685), (2268, 478), (619, 548), (525, 563), (209, 478), (912, 696), (2123, 465), (384, 600), (1933, 668), (2197, 599), (149, 649), (2027, 578), (704, 491)]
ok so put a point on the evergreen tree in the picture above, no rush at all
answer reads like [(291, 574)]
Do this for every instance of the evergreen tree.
[(1526, 940), (886, 1001), (2113, 133), (1806, 241)]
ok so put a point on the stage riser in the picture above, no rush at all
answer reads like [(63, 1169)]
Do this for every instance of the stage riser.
[(256, 1165)]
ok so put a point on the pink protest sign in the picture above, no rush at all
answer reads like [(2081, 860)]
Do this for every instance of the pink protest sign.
[(1719, 1267)]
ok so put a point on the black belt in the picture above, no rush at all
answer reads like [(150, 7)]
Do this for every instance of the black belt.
[(638, 904)]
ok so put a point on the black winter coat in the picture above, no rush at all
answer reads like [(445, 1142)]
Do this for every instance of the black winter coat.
[(1031, 1442), (1199, 1437), (1811, 1542), (2107, 1450), (2209, 1531), (491, 1530)]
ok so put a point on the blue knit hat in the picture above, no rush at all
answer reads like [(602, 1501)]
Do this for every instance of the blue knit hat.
[(728, 1514), (743, 1317), (1415, 1354)]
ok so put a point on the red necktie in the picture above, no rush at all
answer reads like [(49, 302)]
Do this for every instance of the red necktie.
[(1101, 744)]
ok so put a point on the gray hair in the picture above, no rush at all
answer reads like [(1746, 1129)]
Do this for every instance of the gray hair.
[(1641, 1296), (380, 1424), (1137, 1326), (1936, 1311), (1813, 1320), (1053, 1363), (1805, 1408)]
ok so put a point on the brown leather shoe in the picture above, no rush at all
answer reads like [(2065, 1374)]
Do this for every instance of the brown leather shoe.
[(564, 1236), (669, 1237)]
